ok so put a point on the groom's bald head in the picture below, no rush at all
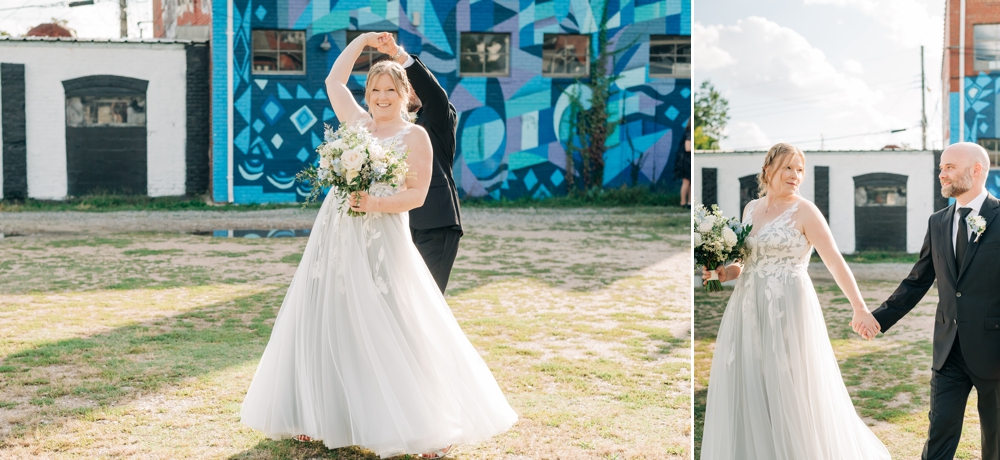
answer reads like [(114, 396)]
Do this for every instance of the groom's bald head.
[(964, 167)]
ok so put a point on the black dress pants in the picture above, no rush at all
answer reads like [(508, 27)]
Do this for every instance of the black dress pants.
[(438, 247), (950, 388)]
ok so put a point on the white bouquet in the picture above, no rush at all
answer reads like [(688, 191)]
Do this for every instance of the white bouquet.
[(352, 160), (717, 240)]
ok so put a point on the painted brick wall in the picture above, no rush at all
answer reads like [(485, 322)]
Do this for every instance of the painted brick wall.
[(510, 142), (980, 98), (163, 65)]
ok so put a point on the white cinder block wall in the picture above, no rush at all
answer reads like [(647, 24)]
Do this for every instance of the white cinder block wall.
[(918, 166), (47, 64)]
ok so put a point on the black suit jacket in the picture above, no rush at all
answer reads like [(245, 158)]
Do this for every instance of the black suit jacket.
[(440, 119), (968, 298)]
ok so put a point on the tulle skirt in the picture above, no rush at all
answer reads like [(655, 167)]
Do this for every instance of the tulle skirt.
[(775, 391), (365, 350)]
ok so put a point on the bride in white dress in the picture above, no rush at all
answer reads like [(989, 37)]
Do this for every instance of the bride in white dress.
[(775, 391), (365, 351)]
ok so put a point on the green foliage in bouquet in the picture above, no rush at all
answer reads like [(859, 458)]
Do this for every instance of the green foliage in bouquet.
[(718, 241), (351, 160)]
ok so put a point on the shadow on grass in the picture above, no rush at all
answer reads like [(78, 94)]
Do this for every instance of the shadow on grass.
[(116, 366), (289, 449)]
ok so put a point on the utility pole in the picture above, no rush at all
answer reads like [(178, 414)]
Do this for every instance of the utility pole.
[(123, 17), (923, 100)]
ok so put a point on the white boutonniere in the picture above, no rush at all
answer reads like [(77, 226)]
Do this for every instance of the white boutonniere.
[(978, 226)]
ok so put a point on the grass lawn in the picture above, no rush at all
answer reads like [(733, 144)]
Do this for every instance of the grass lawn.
[(143, 345), (888, 378)]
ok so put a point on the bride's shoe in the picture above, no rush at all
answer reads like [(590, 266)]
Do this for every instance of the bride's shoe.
[(443, 453)]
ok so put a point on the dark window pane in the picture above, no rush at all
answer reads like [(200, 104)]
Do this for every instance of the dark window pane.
[(265, 62), (498, 65), (484, 54), (471, 64), (293, 41), (264, 40), (565, 55), (123, 111), (291, 61)]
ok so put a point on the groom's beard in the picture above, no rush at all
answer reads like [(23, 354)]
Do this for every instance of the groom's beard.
[(958, 187)]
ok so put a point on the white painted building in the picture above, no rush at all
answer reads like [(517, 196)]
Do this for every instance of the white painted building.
[(871, 198), (100, 114)]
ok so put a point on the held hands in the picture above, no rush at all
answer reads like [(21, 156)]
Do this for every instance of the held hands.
[(376, 39), (706, 274), (865, 324)]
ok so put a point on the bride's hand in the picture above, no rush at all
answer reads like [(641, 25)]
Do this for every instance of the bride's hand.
[(865, 324), (374, 39), (362, 202), (706, 274)]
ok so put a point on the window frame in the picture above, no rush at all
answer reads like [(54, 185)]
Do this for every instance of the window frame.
[(586, 65), (994, 153), (996, 49), (462, 53), (277, 52), (670, 40), (373, 54)]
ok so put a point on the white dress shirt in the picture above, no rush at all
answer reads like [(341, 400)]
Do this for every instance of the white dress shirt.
[(975, 204)]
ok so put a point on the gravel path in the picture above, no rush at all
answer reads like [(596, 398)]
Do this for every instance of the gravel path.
[(73, 222)]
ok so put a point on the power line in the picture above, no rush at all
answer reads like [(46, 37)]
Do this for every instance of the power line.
[(809, 141)]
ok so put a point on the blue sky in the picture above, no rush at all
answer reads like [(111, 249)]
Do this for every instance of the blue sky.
[(846, 71)]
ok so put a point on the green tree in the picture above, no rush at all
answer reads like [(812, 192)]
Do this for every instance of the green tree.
[(711, 113)]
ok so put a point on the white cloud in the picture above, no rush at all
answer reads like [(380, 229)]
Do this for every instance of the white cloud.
[(704, 47), (745, 133), (852, 66), (907, 22), (783, 88)]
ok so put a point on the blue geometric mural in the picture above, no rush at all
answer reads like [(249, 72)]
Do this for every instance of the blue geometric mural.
[(511, 130)]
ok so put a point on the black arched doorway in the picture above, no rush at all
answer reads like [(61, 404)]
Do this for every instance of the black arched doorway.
[(105, 135), (880, 212)]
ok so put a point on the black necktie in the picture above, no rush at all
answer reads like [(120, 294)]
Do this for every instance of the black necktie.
[(962, 239)]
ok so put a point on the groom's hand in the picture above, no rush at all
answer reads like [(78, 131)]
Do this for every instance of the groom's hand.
[(865, 324)]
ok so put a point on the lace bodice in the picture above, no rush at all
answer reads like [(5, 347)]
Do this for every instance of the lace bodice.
[(777, 247)]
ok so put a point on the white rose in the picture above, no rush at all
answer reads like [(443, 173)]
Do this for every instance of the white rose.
[(706, 225), (376, 152), (324, 163), (697, 239), (338, 144), (729, 236), (353, 160)]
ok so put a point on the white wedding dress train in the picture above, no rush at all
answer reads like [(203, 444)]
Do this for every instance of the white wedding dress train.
[(775, 390), (365, 350)]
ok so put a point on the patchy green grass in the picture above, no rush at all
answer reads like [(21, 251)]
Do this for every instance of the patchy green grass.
[(143, 345), (872, 257), (888, 378)]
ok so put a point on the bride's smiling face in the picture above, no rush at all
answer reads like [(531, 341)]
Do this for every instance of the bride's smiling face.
[(786, 177), (384, 99)]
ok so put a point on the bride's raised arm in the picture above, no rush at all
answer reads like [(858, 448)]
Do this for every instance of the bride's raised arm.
[(344, 106), (819, 235)]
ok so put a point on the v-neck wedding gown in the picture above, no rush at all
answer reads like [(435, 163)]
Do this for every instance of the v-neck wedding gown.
[(365, 350), (775, 391)]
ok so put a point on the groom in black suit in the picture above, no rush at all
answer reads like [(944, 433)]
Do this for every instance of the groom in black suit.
[(960, 251), (436, 226)]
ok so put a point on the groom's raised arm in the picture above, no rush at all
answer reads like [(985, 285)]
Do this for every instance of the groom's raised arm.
[(432, 96), (911, 290)]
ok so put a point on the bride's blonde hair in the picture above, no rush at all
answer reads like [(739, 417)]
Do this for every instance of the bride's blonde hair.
[(402, 84), (778, 155)]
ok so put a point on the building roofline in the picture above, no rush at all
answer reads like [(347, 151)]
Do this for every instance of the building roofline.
[(151, 41)]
